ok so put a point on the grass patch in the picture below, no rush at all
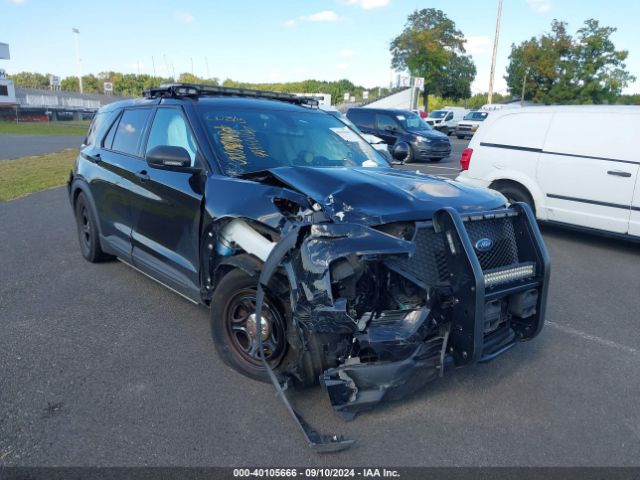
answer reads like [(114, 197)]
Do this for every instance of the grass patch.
[(31, 174), (44, 128)]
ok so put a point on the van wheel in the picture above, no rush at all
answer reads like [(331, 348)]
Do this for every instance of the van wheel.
[(460, 137), (517, 194), (234, 326), (435, 159)]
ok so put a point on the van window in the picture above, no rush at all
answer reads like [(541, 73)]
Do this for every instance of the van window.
[(128, 133), (449, 116), (361, 118), (385, 122), (518, 130), (594, 134)]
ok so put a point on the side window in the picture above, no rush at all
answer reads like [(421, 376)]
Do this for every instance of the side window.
[(128, 133), (108, 139), (449, 116), (386, 122), (170, 128), (361, 118)]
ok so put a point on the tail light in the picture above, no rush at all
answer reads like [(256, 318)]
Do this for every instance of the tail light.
[(465, 158)]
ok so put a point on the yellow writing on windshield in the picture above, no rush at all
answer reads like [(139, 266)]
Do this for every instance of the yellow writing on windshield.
[(235, 140)]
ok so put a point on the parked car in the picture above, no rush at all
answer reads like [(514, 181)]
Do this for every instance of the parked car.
[(564, 163), (420, 112), (446, 120), (402, 130), (318, 261), (470, 123), (376, 142)]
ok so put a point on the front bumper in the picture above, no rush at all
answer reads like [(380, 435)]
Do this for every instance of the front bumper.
[(424, 151)]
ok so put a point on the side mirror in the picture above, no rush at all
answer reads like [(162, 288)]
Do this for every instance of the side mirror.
[(391, 128), (169, 157), (401, 152)]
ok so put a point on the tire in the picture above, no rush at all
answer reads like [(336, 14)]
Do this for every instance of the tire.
[(410, 158), (87, 226), (460, 137), (435, 160), (233, 333), (515, 193)]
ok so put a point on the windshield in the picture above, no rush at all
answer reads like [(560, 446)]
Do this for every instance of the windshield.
[(249, 140), (412, 122), (477, 116), (437, 114)]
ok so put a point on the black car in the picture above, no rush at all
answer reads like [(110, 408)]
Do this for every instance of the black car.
[(403, 130), (369, 280)]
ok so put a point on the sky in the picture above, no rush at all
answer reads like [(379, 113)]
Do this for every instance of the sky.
[(279, 40)]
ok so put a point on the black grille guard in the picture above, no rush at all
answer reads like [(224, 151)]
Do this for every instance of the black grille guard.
[(468, 278)]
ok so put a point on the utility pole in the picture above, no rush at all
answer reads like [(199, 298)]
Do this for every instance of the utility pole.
[(206, 61), (153, 63), (192, 67), (77, 35), (495, 51), (524, 83)]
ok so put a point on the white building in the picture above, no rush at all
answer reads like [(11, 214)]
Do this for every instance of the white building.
[(7, 91)]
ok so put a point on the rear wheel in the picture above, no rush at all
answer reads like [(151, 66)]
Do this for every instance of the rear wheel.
[(436, 159), (514, 193), (460, 137), (87, 226), (234, 326)]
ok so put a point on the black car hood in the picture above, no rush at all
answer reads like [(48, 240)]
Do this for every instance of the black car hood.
[(374, 196)]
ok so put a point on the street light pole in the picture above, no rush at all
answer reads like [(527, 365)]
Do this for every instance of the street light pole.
[(77, 35), (524, 84), (495, 51)]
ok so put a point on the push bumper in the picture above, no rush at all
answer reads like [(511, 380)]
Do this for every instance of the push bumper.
[(492, 310)]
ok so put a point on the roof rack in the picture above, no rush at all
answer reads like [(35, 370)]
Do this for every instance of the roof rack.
[(180, 90)]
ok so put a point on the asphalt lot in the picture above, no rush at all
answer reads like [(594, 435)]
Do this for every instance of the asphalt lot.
[(16, 146), (101, 366)]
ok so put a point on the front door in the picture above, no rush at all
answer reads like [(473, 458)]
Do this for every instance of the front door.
[(166, 234), (387, 128)]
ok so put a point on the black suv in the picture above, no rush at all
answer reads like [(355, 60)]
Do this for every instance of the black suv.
[(367, 279), (403, 131)]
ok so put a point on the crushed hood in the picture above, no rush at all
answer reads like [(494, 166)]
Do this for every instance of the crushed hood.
[(380, 195)]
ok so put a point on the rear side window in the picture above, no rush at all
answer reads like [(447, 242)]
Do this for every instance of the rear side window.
[(128, 133), (99, 125), (361, 118)]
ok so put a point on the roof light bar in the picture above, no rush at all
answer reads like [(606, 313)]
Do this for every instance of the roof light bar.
[(196, 90)]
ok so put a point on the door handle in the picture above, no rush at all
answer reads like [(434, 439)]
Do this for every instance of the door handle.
[(618, 173), (92, 158), (143, 175)]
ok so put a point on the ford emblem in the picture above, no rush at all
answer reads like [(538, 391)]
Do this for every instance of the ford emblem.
[(484, 245)]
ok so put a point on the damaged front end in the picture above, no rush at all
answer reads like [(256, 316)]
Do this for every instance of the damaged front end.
[(381, 311), (379, 308)]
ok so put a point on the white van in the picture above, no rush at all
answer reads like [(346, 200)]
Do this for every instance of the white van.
[(446, 120), (569, 163)]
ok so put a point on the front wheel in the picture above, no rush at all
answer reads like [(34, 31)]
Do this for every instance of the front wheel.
[(234, 326)]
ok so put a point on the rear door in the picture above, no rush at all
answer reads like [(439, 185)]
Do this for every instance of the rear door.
[(119, 159), (587, 171), (166, 233)]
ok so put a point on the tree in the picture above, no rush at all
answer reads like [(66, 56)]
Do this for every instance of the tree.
[(563, 69), (30, 80), (430, 46)]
